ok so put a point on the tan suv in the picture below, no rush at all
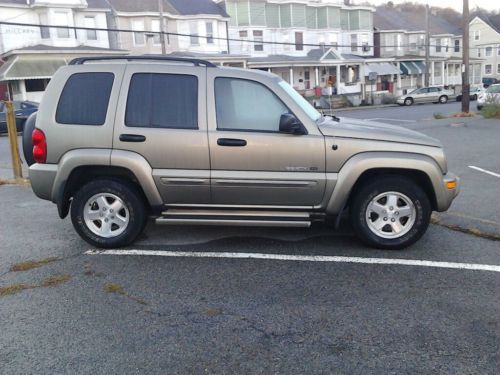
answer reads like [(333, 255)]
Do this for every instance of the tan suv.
[(181, 140)]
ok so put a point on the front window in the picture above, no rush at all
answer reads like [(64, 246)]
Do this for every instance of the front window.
[(299, 41), (438, 45), (354, 42), (299, 99), (209, 26), (193, 31), (258, 37), (138, 25), (244, 40), (487, 69), (488, 51), (155, 26), (457, 45), (90, 25), (61, 19)]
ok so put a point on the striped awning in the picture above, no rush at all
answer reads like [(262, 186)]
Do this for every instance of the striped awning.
[(412, 67), (30, 68), (382, 69)]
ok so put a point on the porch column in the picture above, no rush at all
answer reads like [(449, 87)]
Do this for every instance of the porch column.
[(398, 79), (244, 64), (337, 81), (423, 79), (316, 76), (291, 76), (432, 73), (442, 73), (473, 74)]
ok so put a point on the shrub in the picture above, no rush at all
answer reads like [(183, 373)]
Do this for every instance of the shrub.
[(491, 111), (439, 116)]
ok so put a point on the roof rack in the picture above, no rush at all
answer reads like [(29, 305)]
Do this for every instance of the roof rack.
[(195, 62)]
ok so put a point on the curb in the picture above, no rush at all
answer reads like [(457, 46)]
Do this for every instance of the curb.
[(364, 107)]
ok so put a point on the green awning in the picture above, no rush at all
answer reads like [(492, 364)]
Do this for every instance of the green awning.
[(412, 67), (30, 68)]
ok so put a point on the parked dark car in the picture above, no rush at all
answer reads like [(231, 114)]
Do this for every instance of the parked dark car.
[(22, 111)]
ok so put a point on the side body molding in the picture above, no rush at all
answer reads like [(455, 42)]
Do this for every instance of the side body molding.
[(360, 163), (142, 171)]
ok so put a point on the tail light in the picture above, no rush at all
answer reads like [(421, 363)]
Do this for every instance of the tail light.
[(39, 146)]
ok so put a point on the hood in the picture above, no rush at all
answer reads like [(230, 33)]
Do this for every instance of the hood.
[(363, 129)]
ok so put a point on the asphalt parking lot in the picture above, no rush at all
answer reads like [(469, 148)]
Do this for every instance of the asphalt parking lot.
[(215, 304)]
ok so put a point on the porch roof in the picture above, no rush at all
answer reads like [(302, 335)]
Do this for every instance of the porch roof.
[(412, 67), (382, 68)]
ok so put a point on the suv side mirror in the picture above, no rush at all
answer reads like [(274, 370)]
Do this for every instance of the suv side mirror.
[(291, 125)]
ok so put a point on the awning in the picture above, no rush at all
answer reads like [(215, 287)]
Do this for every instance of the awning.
[(381, 69), (412, 67), (30, 68)]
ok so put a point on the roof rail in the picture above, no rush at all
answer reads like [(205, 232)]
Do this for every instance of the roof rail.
[(195, 62)]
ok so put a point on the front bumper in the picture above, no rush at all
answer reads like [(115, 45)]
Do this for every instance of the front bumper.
[(450, 188)]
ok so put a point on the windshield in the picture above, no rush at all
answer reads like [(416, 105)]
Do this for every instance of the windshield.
[(493, 89), (304, 104)]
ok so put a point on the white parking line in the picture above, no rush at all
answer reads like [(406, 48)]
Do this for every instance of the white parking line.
[(302, 258), (484, 171), (389, 119)]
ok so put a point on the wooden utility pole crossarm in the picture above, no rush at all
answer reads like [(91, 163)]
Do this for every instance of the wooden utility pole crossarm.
[(465, 58)]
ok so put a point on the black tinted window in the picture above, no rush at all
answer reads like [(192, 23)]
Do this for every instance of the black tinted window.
[(162, 101), (85, 98)]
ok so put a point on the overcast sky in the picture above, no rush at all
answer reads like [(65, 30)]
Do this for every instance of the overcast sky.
[(455, 4)]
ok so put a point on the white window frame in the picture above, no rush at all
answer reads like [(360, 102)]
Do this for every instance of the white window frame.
[(438, 45), (354, 42), (488, 51), (61, 32), (498, 68), (258, 41), (243, 35), (90, 22), (155, 26), (456, 46), (209, 33), (491, 69), (498, 49), (138, 38), (477, 35), (194, 33)]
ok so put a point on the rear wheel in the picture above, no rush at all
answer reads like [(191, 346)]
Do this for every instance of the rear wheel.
[(390, 213), (443, 99), (408, 101), (108, 213)]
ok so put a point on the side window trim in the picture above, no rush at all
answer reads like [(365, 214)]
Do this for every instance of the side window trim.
[(150, 114), (243, 129)]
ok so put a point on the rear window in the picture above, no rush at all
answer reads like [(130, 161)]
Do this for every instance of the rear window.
[(158, 100), (85, 98)]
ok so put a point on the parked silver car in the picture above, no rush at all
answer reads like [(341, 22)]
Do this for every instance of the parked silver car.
[(491, 96), (426, 95), (187, 142)]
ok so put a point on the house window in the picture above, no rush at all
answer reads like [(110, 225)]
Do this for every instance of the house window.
[(138, 36), (299, 41), (257, 40), (155, 26), (476, 34), (244, 40), (209, 28), (488, 51), (457, 45), (35, 85), (413, 46), (44, 31), (193, 32), (487, 69), (438, 45), (498, 68), (479, 52), (61, 19), (91, 31), (498, 50), (364, 42), (354, 42)]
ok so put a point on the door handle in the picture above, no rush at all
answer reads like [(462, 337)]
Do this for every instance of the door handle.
[(231, 142), (132, 138)]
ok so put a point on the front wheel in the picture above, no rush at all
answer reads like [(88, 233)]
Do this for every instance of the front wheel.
[(390, 213), (443, 99), (108, 213), (408, 101)]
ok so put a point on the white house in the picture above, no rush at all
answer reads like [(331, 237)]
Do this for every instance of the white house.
[(485, 43)]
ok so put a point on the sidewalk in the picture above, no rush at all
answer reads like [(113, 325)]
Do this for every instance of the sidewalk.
[(365, 107)]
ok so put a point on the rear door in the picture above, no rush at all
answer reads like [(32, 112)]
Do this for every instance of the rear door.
[(421, 95), (161, 115), (434, 93)]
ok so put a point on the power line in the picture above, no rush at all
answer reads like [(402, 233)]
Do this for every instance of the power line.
[(168, 33)]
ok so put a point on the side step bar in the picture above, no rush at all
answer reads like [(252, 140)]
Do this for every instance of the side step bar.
[(235, 218)]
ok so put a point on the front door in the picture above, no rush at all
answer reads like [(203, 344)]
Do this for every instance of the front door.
[(161, 116), (252, 162)]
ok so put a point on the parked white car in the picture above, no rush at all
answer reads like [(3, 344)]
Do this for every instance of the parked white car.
[(474, 93), (426, 95), (491, 95)]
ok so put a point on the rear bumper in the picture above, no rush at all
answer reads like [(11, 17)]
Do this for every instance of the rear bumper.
[(450, 188), (42, 177)]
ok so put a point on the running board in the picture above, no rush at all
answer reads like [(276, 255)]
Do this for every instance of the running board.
[(235, 218)]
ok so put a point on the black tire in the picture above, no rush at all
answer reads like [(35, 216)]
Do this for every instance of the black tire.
[(29, 126), (132, 199), (406, 186), (443, 99), (459, 98), (473, 97), (408, 101)]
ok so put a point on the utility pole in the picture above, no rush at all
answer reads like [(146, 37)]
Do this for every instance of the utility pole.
[(465, 58), (162, 28), (427, 44)]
